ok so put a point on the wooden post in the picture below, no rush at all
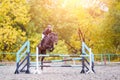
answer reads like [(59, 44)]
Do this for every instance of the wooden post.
[(104, 59)]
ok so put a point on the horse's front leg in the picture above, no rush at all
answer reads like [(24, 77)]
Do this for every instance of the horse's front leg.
[(42, 62)]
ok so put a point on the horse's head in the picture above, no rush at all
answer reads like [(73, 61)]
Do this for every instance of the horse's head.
[(53, 37)]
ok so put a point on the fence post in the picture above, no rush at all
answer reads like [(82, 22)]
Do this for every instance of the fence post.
[(17, 64), (101, 58), (28, 63), (109, 57), (28, 57), (83, 59), (91, 61), (104, 59), (83, 65)]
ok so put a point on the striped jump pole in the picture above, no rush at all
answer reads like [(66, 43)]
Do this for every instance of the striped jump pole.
[(37, 63)]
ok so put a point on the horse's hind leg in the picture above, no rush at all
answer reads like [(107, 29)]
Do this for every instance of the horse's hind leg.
[(42, 63)]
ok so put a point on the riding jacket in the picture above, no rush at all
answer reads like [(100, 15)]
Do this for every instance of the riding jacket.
[(46, 32)]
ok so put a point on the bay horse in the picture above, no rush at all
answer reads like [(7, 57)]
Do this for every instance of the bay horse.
[(47, 43)]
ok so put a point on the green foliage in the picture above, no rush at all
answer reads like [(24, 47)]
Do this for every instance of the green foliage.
[(10, 39), (35, 39), (14, 18), (111, 29), (14, 13), (60, 48)]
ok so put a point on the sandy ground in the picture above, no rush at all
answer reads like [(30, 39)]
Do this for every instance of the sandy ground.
[(111, 72)]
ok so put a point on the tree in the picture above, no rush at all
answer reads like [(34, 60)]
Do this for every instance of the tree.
[(111, 28), (14, 18), (68, 17)]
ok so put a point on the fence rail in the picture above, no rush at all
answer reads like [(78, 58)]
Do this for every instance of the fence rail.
[(109, 58)]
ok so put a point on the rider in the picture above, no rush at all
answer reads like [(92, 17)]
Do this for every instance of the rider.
[(46, 32)]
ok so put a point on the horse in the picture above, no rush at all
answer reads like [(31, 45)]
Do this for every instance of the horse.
[(47, 43)]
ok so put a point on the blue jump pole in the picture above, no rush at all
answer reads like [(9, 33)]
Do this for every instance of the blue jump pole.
[(57, 65)]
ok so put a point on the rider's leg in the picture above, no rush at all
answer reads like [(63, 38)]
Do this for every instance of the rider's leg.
[(42, 40), (43, 36)]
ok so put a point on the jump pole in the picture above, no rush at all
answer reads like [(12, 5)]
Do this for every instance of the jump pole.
[(37, 64), (61, 55), (90, 59), (52, 61)]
